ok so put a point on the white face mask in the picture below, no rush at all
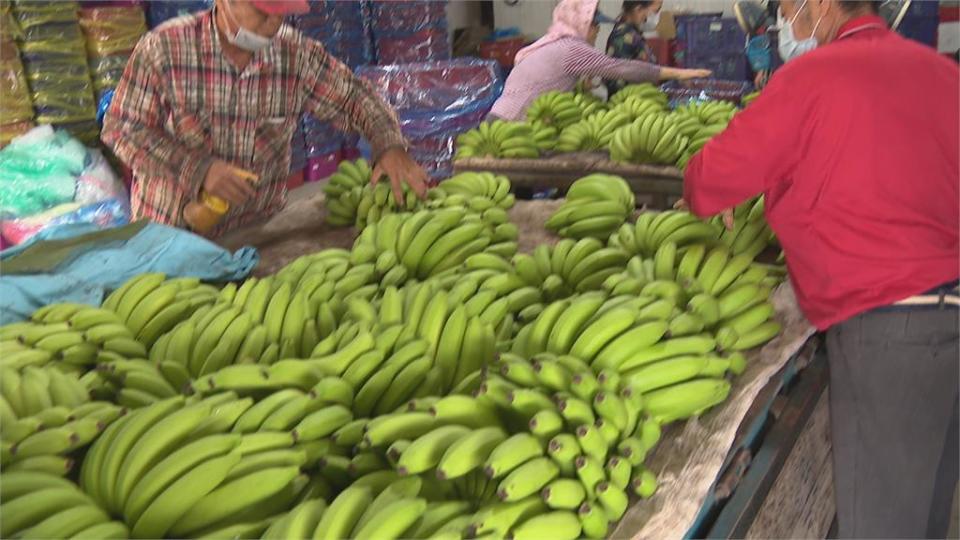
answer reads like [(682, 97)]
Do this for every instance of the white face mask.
[(788, 45), (245, 39), (652, 22)]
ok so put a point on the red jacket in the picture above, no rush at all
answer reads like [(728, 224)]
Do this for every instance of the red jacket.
[(855, 146)]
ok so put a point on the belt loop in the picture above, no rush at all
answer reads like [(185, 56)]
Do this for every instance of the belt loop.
[(943, 296)]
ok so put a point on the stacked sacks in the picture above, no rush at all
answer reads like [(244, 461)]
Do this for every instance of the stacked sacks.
[(16, 108), (410, 31), (111, 33), (53, 50)]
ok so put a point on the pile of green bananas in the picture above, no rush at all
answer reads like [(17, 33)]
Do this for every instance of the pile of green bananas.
[(429, 382), (592, 133), (595, 206), (498, 139), (748, 99), (557, 109), (645, 91), (654, 138)]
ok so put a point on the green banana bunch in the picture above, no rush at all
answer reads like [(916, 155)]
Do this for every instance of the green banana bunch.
[(643, 91), (595, 206), (746, 100), (593, 133), (151, 305), (589, 103), (494, 188), (378, 200), (41, 505), (710, 112), (557, 109), (652, 230), (32, 390), (499, 139), (698, 137), (344, 191), (545, 136), (653, 138), (636, 108)]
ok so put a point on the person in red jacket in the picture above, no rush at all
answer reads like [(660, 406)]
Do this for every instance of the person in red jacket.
[(854, 145)]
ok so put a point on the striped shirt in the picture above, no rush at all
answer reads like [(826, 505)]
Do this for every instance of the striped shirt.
[(558, 66), (181, 104)]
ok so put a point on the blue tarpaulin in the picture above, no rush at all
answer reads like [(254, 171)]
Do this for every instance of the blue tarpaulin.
[(81, 263)]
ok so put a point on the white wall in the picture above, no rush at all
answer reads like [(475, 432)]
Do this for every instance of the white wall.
[(463, 13)]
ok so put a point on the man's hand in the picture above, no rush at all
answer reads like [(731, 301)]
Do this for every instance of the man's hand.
[(727, 214), (227, 182), (400, 168)]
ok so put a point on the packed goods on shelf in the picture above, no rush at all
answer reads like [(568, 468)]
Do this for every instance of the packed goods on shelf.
[(111, 33), (429, 382)]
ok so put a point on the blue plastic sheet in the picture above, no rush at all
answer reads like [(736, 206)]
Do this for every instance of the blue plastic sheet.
[(95, 265)]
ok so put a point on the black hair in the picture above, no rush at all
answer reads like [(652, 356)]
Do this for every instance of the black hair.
[(630, 5)]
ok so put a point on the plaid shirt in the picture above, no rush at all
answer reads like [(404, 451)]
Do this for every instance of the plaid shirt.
[(181, 104)]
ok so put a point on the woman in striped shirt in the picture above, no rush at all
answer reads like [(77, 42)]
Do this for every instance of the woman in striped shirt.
[(565, 55)]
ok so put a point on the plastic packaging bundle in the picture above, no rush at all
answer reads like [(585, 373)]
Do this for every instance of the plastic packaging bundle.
[(436, 102), (112, 30), (15, 103), (161, 11), (409, 31), (341, 27), (52, 51), (61, 89), (111, 33), (49, 178)]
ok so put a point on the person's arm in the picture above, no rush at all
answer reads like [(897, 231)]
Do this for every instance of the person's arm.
[(757, 151), (336, 95), (582, 60), (133, 125)]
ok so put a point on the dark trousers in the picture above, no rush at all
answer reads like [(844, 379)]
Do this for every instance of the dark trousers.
[(894, 414)]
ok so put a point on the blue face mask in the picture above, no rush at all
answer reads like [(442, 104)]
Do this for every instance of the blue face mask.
[(788, 45)]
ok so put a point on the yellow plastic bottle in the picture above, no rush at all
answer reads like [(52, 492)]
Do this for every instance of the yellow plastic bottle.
[(204, 214)]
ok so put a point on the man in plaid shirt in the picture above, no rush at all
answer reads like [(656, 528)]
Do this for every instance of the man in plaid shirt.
[(224, 89)]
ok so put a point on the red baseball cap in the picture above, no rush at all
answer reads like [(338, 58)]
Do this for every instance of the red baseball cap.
[(282, 7)]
